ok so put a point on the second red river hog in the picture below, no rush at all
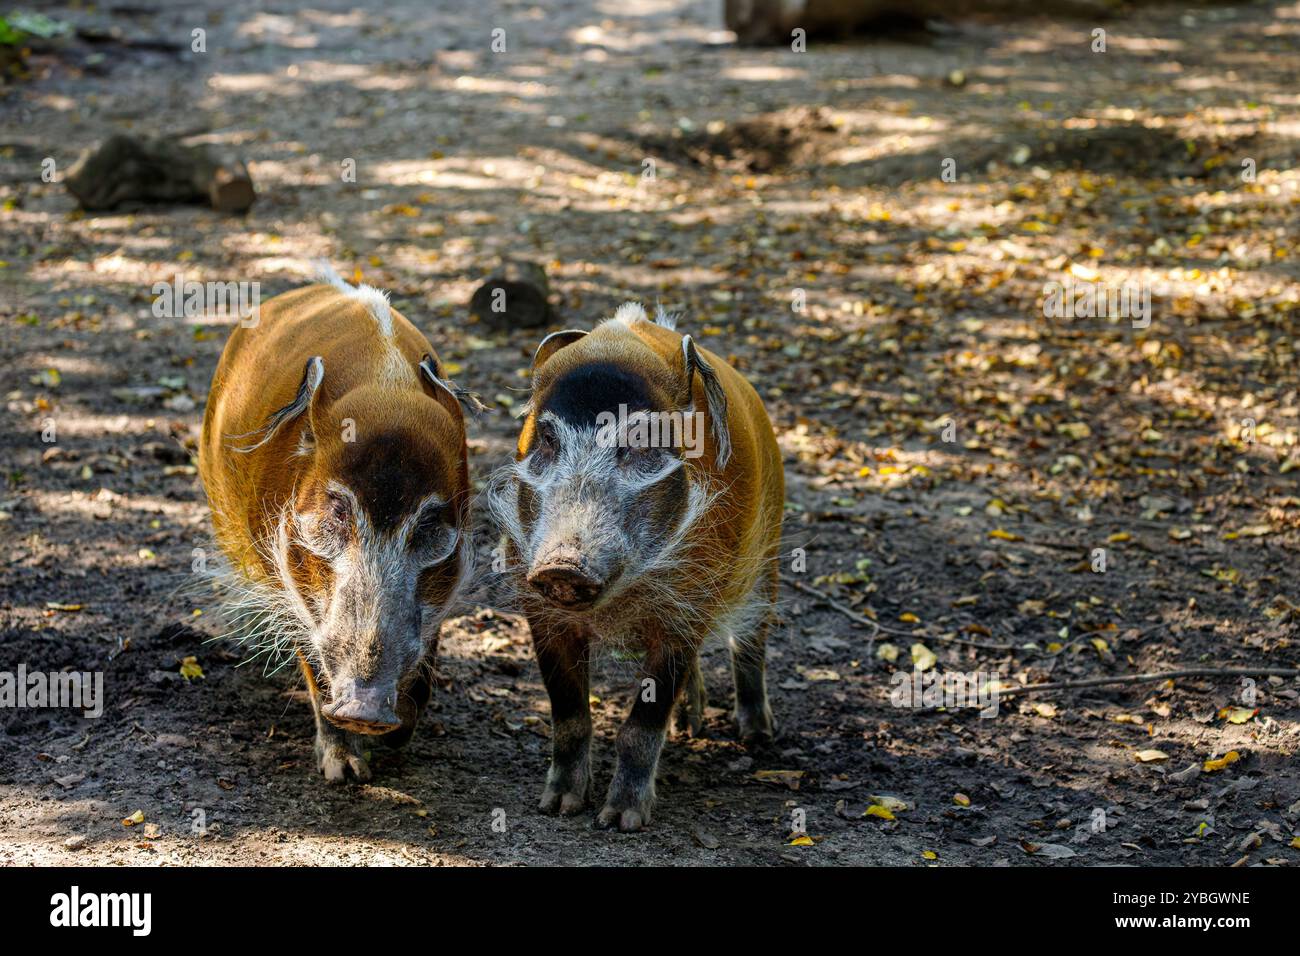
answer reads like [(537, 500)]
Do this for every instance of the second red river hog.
[(334, 459), (643, 511)]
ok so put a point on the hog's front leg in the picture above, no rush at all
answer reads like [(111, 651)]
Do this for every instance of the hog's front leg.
[(631, 794), (562, 655), (337, 751)]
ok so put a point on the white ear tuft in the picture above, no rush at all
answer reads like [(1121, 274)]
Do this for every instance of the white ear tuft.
[(665, 318), (375, 300), (630, 312)]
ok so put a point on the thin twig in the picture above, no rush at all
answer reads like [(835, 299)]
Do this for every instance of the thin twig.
[(1153, 676), (853, 615)]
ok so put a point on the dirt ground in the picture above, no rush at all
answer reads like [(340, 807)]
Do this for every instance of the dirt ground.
[(798, 218)]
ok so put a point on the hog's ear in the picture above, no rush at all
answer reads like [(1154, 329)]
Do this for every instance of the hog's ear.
[(553, 343), (714, 395), (312, 376), (451, 396)]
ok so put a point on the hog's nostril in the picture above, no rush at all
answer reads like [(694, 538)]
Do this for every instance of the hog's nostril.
[(566, 586)]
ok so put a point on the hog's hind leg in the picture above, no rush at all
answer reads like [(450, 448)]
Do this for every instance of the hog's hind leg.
[(690, 709), (754, 723)]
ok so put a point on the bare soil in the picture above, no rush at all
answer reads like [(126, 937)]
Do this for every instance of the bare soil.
[(776, 177)]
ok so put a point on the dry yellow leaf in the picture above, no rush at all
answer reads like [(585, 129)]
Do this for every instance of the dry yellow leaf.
[(802, 839), (190, 668), (929, 855), (909, 618), (1254, 531), (1237, 715), (133, 819), (1075, 430), (821, 674), (878, 811), (922, 657), (961, 799), (1151, 756), (1230, 757)]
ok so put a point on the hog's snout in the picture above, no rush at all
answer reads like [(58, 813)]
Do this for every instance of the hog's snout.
[(567, 585), (363, 709)]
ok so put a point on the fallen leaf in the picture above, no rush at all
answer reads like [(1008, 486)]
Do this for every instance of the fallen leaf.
[(820, 674), (705, 839), (789, 778), (1254, 531), (1231, 757), (892, 804), (1237, 715), (1051, 851), (1151, 756), (1075, 430)]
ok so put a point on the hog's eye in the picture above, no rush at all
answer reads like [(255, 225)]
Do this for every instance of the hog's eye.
[(337, 509), (326, 530), (335, 521), (643, 460), (434, 537), (549, 441), (547, 448), (433, 520)]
